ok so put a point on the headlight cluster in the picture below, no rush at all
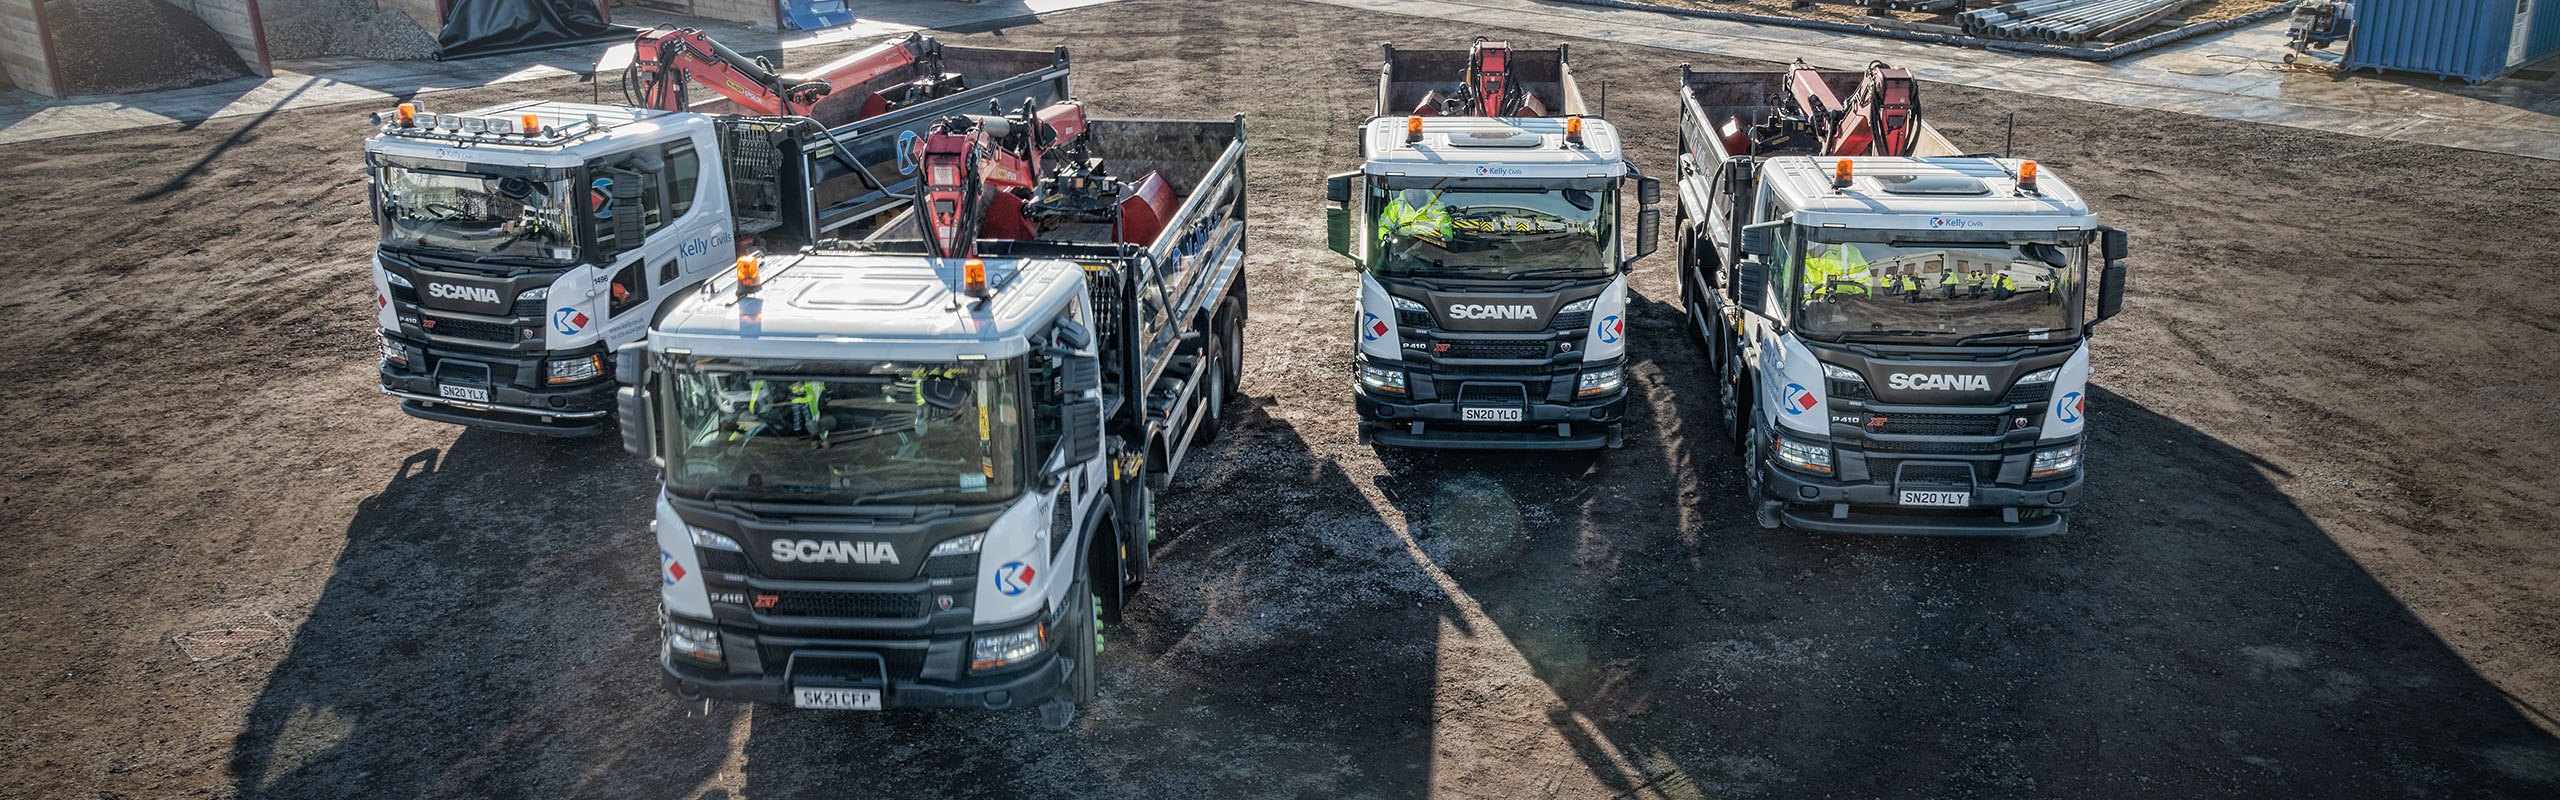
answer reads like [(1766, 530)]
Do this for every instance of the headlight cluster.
[(1840, 373), (393, 352), (1403, 304), (1382, 379), (2054, 463), (535, 293), (697, 642), (997, 650), (1580, 306), (712, 541), (2046, 375), (396, 280), (959, 545), (574, 370), (1601, 381), (1805, 457)]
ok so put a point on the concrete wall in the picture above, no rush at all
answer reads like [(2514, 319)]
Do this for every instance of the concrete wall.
[(239, 24), (26, 47), (760, 13)]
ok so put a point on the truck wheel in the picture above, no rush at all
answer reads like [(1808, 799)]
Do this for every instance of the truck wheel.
[(1755, 488), (1084, 643), (1231, 356), (1729, 402), (1213, 398)]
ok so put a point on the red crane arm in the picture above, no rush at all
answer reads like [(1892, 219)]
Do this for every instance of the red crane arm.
[(1882, 117), (666, 60)]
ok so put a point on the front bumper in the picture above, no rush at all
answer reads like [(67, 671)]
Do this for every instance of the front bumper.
[(581, 409), (885, 665), (1579, 425), (1827, 505)]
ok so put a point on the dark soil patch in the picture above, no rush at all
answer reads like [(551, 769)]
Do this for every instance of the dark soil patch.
[(121, 46)]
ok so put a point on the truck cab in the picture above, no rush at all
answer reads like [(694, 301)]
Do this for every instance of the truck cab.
[(510, 262), (1493, 286), (1901, 344)]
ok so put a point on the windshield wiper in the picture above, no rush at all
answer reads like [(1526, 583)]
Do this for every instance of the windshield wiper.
[(1531, 273), (1846, 336), (735, 492), (900, 494), (1982, 337)]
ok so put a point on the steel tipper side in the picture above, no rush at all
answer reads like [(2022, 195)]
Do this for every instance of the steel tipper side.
[(884, 487), (522, 242), (1900, 343), (1493, 294)]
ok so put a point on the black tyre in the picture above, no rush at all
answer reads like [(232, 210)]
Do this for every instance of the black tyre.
[(1231, 354), (1213, 400), (1733, 401), (1083, 644)]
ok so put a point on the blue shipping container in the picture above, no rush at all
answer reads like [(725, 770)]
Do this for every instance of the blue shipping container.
[(2475, 40)]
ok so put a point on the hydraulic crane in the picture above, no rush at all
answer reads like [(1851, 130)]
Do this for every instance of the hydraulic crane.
[(668, 60), (1018, 175), (1880, 118), (1487, 89)]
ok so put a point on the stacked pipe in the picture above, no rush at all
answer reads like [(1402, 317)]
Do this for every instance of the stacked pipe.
[(2068, 21)]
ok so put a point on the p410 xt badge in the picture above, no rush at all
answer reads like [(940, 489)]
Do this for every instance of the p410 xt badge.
[(816, 550)]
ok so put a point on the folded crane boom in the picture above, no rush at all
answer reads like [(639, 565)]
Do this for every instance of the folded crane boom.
[(669, 60), (1019, 175), (1880, 118), (1486, 89)]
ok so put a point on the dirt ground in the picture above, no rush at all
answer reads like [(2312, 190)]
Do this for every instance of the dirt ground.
[(2194, 11), (2318, 560)]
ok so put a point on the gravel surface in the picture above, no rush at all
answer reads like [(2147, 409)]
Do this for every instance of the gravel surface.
[(120, 46), (2318, 560), (311, 28)]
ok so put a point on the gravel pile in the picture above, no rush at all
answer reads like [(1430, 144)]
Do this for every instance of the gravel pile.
[(119, 46), (313, 28)]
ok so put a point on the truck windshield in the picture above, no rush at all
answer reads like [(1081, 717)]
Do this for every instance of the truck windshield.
[(477, 215), (1463, 232), (902, 433), (1938, 290)]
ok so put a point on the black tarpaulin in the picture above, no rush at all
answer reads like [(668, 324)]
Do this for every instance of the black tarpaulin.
[(486, 27)]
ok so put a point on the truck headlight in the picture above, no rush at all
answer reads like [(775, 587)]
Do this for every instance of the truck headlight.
[(1402, 304), (992, 651), (535, 293), (1584, 305), (1381, 379), (2054, 463), (1601, 381), (573, 370), (393, 352), (708, 540), (697, 642), (1840, 373), (959, 545), (1806, 457), (395, 280), (2046, 375)]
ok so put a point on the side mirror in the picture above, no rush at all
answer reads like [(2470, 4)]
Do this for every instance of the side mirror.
[(1073, 335), (630, 361), (1082, 436), (633, 411), (2112, 243), (1751, 286), (1755, 238), (1077, 374), (1648, 232), (1337, 230), (2110, 293), (1337, 188), (1648, 190)]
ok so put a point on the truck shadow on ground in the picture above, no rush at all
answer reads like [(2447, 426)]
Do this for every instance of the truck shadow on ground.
[(2196, 634), (481, 626), (1283, 646)]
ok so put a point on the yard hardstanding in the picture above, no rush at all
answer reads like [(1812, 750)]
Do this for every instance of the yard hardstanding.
[(1493, 300), (1896, 330), (920, 472), (522, 242)]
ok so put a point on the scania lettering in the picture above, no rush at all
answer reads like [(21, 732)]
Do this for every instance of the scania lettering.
[(521, 242), (917, 470), (1899, 331), (1485, 224)]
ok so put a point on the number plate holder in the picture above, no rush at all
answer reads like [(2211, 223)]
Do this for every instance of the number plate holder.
[(1489, 414), (1936, 498)]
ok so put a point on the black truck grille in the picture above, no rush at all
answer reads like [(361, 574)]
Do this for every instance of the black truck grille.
[(822, 663), (1413, 319), (1948, 473), (725, 561), (1848, 390), (472, 329), (1572, 320), (1513, 350), (842, 605), (1940, 424), (2027, 393)]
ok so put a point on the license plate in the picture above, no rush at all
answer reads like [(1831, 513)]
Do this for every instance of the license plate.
[(476, 394), (836, 699), (1489, 415), (1920, 498)]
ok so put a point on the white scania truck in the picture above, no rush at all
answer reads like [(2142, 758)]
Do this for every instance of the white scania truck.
[(1493, 296), (1899, 331), (917, 473), (522, 242)]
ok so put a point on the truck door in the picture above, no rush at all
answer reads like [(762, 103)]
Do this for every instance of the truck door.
[(676, 240)]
